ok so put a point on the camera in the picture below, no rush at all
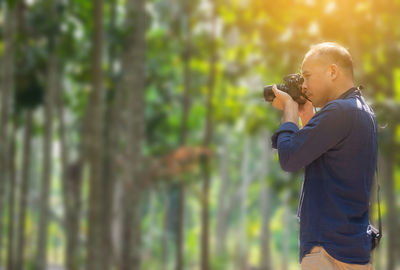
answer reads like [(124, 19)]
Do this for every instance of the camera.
[(292, 85), (375, 235)]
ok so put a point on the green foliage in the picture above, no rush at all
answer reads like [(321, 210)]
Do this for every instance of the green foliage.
[(30, 78)]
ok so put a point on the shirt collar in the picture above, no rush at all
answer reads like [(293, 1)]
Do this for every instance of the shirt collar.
[(356, 90)]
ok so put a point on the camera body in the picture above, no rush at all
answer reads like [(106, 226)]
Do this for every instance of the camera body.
[(375, 236), (292, 85)]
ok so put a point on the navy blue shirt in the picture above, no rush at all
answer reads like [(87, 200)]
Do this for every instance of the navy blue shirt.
[(338, 148)]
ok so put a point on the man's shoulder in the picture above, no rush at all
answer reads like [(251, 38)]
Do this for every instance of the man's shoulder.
[(343, 110), (356, 103), (332, 107)]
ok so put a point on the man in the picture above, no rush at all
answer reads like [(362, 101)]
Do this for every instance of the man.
[(337, 146)]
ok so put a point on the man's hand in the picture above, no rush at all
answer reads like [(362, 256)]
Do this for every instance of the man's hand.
[(281, 98), (284, 102), (306, 112)]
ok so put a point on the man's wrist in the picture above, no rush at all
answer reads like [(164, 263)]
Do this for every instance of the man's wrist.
[(291, 103), (291, 112)]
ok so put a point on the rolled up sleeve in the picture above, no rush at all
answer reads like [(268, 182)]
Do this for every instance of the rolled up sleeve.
[(298, 148), (287, 127)]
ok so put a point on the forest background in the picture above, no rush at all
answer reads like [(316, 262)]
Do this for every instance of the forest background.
[(134, 134)]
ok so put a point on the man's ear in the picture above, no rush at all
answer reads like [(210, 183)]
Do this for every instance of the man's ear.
[(333, 71)]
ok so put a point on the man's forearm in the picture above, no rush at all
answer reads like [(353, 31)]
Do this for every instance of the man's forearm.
[(291, 112)]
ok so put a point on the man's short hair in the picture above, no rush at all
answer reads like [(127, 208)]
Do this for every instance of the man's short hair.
[(334, 53)]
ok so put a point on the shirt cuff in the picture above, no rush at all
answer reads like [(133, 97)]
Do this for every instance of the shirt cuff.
[(285, 127)]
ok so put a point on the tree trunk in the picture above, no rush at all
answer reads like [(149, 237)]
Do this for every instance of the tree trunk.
[(377, 255), (108, 174), (165, 235), (286, 231), (71, 175), (245, 179), (133, 88), (23, 197), (117, 186), (72, 182), (6, 87), (265, 263), (96, 259), (180, 226), (41, 259), (186, 55), (389, 191), (205, 160), (223, 198), (11, 202), (111, 163), (108, 183)]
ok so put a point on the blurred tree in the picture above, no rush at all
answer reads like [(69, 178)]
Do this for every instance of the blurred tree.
[(185, 101), (245, 177), (28, 96), (223, 206), (41, 260), (51, 32), (11, 254), (97, 256), (71, 177), (6, 88), (207, 140), (133, 78), (265, 194)]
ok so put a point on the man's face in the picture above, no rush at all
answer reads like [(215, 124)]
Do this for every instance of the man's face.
[(316, 80)]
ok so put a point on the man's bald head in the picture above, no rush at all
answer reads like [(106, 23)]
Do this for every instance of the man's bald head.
[(332, 53)]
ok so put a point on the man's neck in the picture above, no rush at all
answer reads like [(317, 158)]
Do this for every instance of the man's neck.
[(341, 89)]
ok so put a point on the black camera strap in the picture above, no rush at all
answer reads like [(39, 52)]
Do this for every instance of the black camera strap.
[(379, 206), (378, 188)]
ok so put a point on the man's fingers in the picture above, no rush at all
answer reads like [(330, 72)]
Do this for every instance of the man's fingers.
[(276, 102), (274, 89), (278, 92)]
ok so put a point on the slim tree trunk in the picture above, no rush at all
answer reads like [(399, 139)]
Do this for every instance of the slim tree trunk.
[(388, 188), (133, 87), (24, 187), (11, 202), (377, 256), (72, 181), (41, 259), (96, 236), (26, 162), (109, 175), (286, 230), (6, 87), (245, 177), (71, 175), (205, 160), (111, 165), (223, 199), (180, 225), (165, 234), (108, 183), (265, 263), (117, 186), (183, 134)]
